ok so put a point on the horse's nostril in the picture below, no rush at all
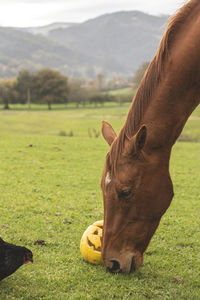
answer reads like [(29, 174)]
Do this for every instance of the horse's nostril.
[(115, 266), (133, 264)]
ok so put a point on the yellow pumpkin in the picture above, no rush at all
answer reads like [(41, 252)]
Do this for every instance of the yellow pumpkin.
[(90, 245)]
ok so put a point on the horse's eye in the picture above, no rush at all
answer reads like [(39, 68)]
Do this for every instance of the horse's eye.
[(124, 193)]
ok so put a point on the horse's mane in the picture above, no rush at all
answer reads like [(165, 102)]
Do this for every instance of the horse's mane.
[(152, 78)]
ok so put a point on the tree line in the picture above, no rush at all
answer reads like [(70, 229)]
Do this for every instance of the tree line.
[(47, 86), (44, 86)]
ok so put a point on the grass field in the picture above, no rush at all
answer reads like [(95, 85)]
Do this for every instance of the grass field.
[(50, 191)]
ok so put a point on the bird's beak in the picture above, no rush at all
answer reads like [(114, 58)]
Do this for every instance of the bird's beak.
[(28, 258), (31, 259)]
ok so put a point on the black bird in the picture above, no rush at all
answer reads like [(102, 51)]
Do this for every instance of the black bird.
[(12, 257)]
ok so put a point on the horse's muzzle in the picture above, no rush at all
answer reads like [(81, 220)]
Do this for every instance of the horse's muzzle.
[(115, 266)]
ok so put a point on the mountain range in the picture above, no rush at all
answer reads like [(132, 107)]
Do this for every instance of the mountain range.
[(112, 44)]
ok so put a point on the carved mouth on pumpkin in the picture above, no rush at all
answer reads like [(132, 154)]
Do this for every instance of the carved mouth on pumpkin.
[(92, 245)]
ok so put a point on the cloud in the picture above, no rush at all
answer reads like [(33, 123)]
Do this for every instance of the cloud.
[(36, 12)]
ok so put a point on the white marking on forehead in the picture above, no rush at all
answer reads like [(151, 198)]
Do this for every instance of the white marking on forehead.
[(108, 179)]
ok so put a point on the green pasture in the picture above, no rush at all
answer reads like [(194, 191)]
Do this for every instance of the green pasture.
[(50, 193)]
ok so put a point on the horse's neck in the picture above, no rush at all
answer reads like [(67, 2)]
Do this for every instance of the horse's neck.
[(177, 94), (168, 113)]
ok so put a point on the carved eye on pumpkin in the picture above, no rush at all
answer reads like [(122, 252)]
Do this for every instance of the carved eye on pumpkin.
[(90, 245)]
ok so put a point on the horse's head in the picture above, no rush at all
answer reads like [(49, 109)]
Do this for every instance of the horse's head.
[(137, 190)]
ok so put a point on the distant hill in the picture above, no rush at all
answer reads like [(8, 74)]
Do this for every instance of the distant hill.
[(127, 37), (112, 44), (44, 30), (20, 50)]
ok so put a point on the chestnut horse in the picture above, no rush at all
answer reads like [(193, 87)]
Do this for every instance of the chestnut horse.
[(136, 183)]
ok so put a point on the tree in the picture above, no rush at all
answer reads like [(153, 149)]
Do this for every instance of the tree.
[(97, 99), (100, 81), (25, 87), (77, 94), (7, 92), (51, 87), (139, 74)]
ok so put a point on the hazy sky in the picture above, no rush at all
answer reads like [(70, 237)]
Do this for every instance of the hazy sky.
[(23, 13)]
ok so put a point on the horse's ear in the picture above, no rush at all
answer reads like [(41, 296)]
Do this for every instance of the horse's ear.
[(137, 142), (108, 132), (140, 138)]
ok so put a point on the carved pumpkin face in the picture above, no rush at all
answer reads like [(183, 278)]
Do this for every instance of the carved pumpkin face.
[(90, 245)]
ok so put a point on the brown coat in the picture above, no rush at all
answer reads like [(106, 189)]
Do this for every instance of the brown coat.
[(136, 183)]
